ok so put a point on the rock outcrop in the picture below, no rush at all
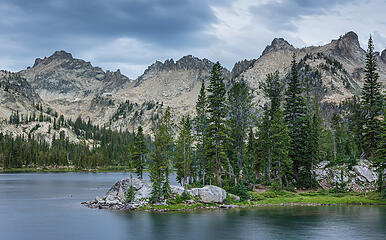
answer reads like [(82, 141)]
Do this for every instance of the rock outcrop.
[(383, 55), (16, 95), (361, 177), (116, 196), (278, 44)]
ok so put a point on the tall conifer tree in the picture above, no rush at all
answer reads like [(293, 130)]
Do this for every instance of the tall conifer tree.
[(275, 137), (184, 151), (200, 125), (371, 102), (239, 121), (161, 158), (216, 123), (139, 152), (295, 116)]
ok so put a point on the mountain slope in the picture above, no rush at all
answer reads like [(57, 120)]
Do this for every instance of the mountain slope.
[(335, 70), (16, 95), (68, 84)]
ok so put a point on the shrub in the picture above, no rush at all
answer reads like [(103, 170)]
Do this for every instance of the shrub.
[(185, 196), (177, 199), (239, 190), (230, 200), (130, 194), (275, 186), (254, 196)]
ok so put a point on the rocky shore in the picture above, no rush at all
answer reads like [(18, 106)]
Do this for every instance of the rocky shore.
[(117, 197)]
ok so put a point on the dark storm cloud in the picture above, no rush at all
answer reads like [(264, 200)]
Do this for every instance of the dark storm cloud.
[(164, 22), (279, 15), (132, 34)]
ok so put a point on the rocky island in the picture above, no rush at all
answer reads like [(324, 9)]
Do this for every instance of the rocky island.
[(120, 197)]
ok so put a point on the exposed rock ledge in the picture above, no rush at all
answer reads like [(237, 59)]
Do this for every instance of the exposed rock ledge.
[(361, 177), (116, 197)]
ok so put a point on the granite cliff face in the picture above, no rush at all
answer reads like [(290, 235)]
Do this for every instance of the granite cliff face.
[(16, 95), (74, 87)]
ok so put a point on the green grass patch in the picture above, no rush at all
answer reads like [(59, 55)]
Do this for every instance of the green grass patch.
[(313, 197)]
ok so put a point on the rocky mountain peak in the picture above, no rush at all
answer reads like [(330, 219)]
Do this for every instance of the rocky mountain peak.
[(61, 54), (278, 44), (350, 39), (58, 55), (348, 46), (351, 36), (186, 63), (383, 55)]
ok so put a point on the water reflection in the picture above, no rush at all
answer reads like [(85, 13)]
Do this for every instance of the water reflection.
[(47, 206)]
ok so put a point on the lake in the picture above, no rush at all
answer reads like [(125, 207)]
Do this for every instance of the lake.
[(47, 206)]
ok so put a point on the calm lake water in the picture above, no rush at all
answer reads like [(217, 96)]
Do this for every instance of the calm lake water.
[(47, 206)]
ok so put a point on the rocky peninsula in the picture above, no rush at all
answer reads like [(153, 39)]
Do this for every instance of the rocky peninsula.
[(358, 183)]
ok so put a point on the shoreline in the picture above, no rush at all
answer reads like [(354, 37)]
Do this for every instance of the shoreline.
[(342, 199), (64, 169), (192, 208)]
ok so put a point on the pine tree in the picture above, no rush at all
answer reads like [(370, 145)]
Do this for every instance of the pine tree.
[(264, 146), (371, 102), (217, 110), (355, 121), (273, 137), (184, 151), (314, 130), (295, 116), (161, 157), (281, 162), (239, 121), (200, 125), (380, 155), (139, 152), (252, 165)]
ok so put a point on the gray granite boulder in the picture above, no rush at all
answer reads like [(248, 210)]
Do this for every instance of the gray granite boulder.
[(362, 177), (119, 190), (209, 194)]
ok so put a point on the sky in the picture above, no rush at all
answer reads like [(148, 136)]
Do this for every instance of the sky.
[(132, 34)]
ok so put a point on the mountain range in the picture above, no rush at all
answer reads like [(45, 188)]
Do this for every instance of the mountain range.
[(74, 87)]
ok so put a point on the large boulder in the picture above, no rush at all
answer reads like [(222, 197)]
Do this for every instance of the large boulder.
[(209, 194), (361, 177), (119, 190)]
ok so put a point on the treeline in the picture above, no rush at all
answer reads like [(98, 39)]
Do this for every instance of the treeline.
[(97, 146), (231, 145)]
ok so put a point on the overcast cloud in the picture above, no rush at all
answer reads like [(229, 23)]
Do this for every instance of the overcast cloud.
[(132, 34)]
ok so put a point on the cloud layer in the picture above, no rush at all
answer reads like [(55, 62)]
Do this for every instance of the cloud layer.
[(130, 35)]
